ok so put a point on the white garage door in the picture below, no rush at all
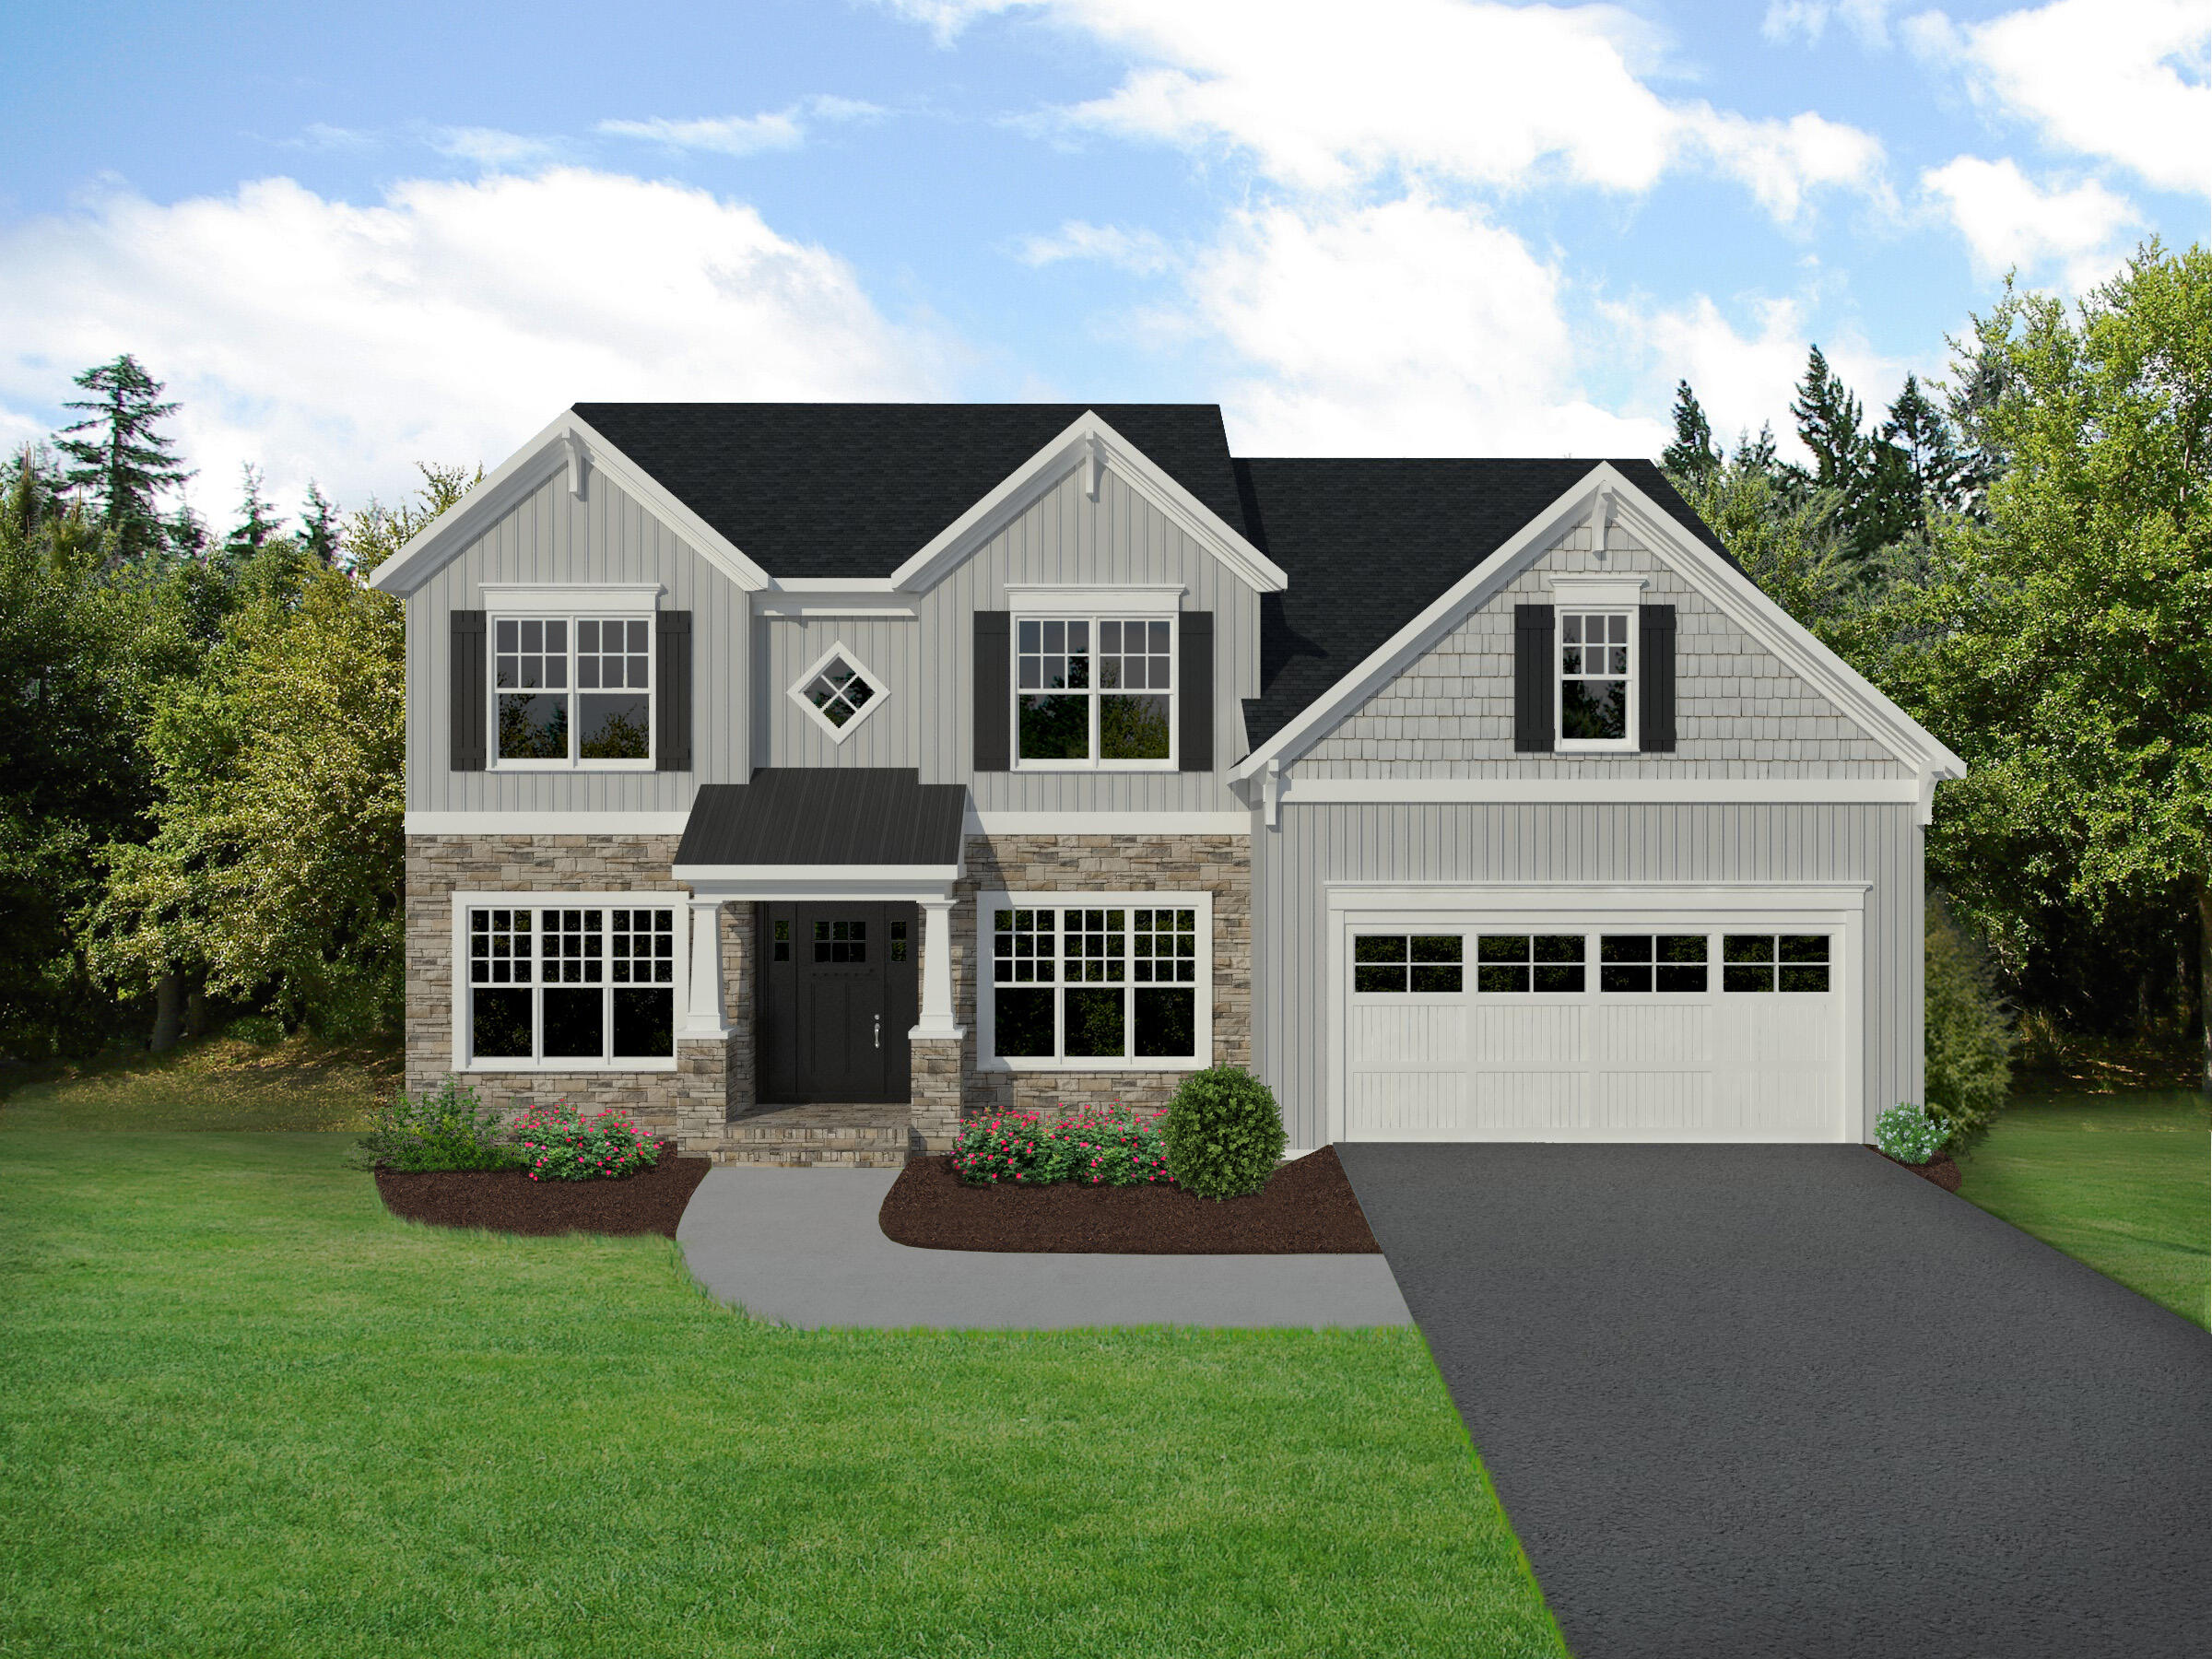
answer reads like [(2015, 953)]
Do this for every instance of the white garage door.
[(1639, 1022)]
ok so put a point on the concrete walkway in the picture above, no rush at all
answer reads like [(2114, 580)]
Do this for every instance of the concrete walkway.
[(803, 1246), (1743, 1402)]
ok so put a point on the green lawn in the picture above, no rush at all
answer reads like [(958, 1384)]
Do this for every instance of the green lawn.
[(2123, 1182), (242, 1410)]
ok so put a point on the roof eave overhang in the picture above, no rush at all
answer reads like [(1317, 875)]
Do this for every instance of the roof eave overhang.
[(571, 443), (825, 882), (1091, 443), (1736, 596)]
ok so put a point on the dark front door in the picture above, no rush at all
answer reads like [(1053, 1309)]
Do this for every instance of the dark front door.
[(838, 993)]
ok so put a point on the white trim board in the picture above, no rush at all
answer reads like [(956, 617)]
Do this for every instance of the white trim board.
[(566, 441), (1297, 791), (1732, 592), (1086, 442), (994, 822), (574, 599), (1139, 599), (530, 821)]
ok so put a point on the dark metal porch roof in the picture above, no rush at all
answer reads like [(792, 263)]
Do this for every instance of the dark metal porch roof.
[(807, 817)]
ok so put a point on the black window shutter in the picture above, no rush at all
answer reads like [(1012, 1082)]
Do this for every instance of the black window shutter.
[(1194, 676), (1655, 641), (1534, 662), (994, 690), (672, 639), (469, 678)]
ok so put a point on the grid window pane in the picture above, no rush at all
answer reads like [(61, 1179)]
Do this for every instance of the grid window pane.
[(1022, 949), (1094, 692), (1093, 944), (641, 947), (1163, 945), (840, 691), (574, 947), (1594, 676), (498, 947), (845, 942)]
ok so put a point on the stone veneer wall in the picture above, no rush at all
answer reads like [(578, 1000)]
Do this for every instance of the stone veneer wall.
[(710, 1078), (1220, 864)]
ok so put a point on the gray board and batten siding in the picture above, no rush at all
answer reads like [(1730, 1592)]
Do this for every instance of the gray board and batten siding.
[(1739, 711), (927, 662), (553, 537), (1586, 842)]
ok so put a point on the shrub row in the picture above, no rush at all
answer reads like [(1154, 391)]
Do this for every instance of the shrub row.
[(452, 1129)]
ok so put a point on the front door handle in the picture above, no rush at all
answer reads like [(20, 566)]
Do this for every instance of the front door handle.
[(878, 1030)]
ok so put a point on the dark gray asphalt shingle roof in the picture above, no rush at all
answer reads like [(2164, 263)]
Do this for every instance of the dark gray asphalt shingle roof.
[(823, 814), (855, 489), (1369, 545)]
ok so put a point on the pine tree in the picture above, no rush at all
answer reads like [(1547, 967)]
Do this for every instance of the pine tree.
[(1691, 455), (1829, 419), (1922, 435), (318, 527), (257, 525), (123, 462)]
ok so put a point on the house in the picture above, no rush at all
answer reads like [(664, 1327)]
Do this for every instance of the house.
[(803, 777)]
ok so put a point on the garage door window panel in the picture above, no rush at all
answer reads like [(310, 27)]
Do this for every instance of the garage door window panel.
[(1644, 964), (1767, 962), (1414, 964), (1543, 964)]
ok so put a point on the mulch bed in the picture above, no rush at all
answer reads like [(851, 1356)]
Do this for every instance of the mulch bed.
[(1306, 1208), (508, 1201), (1941, 1171)]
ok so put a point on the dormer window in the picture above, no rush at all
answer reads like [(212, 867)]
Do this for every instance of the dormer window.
[(1595, 679), (571, 690), (839, 692), (1094, 692)]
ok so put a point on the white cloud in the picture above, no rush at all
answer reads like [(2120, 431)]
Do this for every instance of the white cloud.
[(1868, 20), (317, 338), (743, 135), (1144, 252), (1324, 98), (321, 136), (2127, 80), (491, 149), (2009, 221), (1405, 328)]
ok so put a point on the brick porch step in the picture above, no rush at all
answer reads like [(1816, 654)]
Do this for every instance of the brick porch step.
[(867, 1136)]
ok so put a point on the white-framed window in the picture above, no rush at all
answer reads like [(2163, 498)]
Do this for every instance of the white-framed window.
[(583, 981), (1094, 691), (572, 690), (1595, 682), (838, 691), (1095, 982)]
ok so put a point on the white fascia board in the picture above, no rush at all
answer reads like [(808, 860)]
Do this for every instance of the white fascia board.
[(1733, 593), (1088, 439), (823, 883), (638, 598), (993, 822), (1742, 602), (1391, 658), (534, 822), (1308, 792), (568, 441)]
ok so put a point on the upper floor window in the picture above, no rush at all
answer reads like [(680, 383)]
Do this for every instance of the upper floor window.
[(1095, 691), (572, 690), (839, 692), (1595, 711)]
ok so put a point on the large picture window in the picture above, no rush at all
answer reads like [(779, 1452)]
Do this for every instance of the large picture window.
[(569, 984), (1091, 982), (572, 690), (1094, 692)]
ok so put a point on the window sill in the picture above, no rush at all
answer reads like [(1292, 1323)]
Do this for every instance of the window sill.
[(1584, 745), (563, 1068), (996, 1063), (1095, 766), (571, 766)]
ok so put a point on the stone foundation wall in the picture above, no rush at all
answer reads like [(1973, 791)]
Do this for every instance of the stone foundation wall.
[(692, 1101), (1218, 865)]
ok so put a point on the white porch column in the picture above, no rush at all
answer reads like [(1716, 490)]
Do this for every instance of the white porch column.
[(937, 969), (704, 1010)]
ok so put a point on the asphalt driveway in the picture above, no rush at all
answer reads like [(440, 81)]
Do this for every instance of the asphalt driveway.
[(1771, 1401)]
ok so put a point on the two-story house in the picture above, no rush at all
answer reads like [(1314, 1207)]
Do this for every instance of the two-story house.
[(803, 774)]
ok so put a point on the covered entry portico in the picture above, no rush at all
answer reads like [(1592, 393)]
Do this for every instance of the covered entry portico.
[(851, 873)]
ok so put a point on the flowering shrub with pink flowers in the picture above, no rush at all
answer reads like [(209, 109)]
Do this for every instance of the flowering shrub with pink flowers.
[(558, 1143), (1095, 1146)]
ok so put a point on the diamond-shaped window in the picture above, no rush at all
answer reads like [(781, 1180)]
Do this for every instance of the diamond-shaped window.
[(837, 691)]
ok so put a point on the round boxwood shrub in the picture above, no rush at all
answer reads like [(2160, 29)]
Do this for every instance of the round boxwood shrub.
[(1909, 1133), (1224, 1133)]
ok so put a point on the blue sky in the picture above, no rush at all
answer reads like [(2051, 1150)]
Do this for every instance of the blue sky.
[(357, 237)]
